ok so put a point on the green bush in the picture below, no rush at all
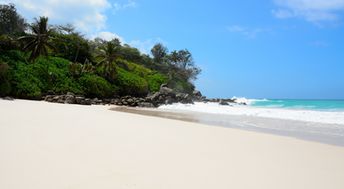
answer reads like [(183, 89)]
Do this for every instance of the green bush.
[(5, 86), (45, 74), (26, 84), (96, 86), (55, 75), (155, 81), (131, 84)]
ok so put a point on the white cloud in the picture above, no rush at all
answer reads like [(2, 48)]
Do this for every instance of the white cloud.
[(124, 5), (144, 46), (87, 15), (108, 36), (311, 10), (247, 32)]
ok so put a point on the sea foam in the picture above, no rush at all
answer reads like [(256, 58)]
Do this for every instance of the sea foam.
[(327, 117)]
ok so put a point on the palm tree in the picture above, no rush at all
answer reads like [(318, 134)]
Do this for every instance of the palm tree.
[(38, 41), (107, 55)]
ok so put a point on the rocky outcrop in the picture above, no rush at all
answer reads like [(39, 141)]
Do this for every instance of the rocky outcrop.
[(70, 98), (164, 96), (7, 98), (197, 96)]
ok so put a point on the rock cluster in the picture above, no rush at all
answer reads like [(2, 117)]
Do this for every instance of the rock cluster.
[(70, 98), (164, 96)]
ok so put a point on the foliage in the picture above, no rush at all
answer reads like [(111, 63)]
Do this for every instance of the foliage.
[(5, 86), (96, 86), (11, 23), (38, 42), (106, 56), (71, 45), (7, 43), (131, 84), (159, 53), (155, 81), (153, 78), (73, 63)]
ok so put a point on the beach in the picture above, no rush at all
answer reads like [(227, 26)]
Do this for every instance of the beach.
[(46, 145)]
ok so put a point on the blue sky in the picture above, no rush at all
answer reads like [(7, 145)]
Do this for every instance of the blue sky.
[(255, 49)]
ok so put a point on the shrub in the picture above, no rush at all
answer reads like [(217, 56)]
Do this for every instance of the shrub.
[(5, 86), (155, 81), (26, 84), (131, 84), (55, 75), (96, 86)]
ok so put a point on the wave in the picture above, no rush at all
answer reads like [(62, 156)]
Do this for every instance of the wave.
[(243, 100), (327, 117)]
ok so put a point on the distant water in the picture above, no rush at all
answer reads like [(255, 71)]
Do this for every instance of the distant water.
[(317, 105)]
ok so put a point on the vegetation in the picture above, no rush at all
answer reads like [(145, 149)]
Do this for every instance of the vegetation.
[(38, 59)]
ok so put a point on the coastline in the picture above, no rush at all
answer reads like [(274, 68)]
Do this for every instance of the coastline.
[(47, 145), (310, 131)]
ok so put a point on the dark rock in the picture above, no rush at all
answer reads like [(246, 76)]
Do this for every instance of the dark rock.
[(70, 99), (60, 100), (87, 101), (197, 93), (224, 103), (165, 90), (56, 98), (79, 99), (8, 98), (49, 98), (146, 105)]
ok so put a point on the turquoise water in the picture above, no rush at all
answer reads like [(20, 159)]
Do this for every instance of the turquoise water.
[(319, 105)]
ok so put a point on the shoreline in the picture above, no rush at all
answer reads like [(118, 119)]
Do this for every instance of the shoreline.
[(47, 145), (247, 123)]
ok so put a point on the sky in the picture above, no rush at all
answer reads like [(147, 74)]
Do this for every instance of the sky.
[(249, 48)]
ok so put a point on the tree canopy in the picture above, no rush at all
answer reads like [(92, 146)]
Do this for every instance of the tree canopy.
[(38, 58)]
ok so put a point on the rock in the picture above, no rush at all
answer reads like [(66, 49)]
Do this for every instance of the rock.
[(49, 98), (87, 101), (8, 98), (197, 93), (70, 93), (166, 90), (96, 101), (79, 99), (60, 100), (70, 99), (224, 103), (55, 98), (146, 105)]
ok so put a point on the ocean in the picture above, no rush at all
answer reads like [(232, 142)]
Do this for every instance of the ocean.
[(317, 105), (319, 120)]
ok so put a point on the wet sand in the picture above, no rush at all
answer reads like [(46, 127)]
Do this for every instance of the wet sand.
[(282, 127)]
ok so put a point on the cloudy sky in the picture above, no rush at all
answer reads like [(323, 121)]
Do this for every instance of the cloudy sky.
[(251, 48)]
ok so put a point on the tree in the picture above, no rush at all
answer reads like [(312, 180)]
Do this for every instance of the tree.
[(159, 53), (184, 65), (11, 23), (71, 45), (106, 56), (38, 41)]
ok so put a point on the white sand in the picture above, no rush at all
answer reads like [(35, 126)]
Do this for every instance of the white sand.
[(55, 146)]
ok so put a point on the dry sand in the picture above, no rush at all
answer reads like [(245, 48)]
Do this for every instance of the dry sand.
[(56, 146)]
